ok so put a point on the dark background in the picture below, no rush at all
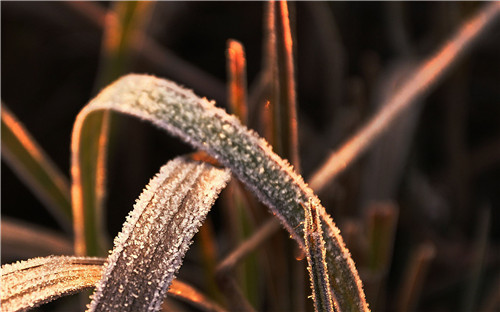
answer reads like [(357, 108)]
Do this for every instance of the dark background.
[(50, 59)]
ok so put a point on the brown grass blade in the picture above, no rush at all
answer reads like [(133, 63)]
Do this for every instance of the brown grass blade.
[(149, 250), (28, 284), (237, 73)]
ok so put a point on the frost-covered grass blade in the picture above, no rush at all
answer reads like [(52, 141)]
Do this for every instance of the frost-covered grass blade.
[(317, 267), (198, 122), (28, 284), (156, 235)]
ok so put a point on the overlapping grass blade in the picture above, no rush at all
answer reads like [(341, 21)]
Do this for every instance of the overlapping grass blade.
[(123, 24), (156, 235), (317, 267), (35, 168), (251, 159), (28, 284), (280, 63)]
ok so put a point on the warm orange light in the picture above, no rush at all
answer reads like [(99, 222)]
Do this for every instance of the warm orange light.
[(237, 79)]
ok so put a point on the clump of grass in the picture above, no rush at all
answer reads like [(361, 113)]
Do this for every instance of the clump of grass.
[(156, 235)]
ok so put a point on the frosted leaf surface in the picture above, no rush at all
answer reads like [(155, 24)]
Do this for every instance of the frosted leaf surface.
[(154, 239), (28, 284), (316, 254), (198, 122)]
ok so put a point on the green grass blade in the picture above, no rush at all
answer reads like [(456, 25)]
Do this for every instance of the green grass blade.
[(282, 101), (34, 168), (123, 28), (198, 122), (123, 24), (156, 236), (317, 267)]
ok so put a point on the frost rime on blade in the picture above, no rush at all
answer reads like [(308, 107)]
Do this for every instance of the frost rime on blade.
[(157, 234), (198, 122)]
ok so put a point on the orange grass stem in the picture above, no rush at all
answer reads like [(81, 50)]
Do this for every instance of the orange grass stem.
[(427, 75)]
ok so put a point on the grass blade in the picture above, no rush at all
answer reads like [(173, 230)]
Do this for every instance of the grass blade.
[(237, 72), (123, 25), (317, 267), (156, 235), (35, 169), (251, 159), (123, 30), (283, 99), (189, 294), (28, 284)]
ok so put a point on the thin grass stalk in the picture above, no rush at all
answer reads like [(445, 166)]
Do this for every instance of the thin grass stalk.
[(238, 207), (414, 277), (200, 123), (34, 167), (236, 69), (481, 247), (428, 75), (158, 56), (317, 267), (122, 27)]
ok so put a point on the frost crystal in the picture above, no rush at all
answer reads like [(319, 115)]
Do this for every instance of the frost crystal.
[(28, 284), (198, 122), (156, 236)]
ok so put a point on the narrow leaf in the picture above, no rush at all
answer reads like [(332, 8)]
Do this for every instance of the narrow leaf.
[(237, 73), (28, 284), (251, 159), (35, 168), (123, 25), (156, 235), (316, 254), (283, 98)]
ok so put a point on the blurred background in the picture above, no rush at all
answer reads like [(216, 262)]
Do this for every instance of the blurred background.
[(432, 184)]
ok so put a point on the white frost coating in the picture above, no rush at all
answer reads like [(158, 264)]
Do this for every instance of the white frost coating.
[(28, 284), (251, 159), (317, 266), (156, 236)]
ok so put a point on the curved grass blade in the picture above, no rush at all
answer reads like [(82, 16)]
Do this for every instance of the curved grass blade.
[(156, 235), (317, 267), (251, 159), (28, 284), (35, 168)]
